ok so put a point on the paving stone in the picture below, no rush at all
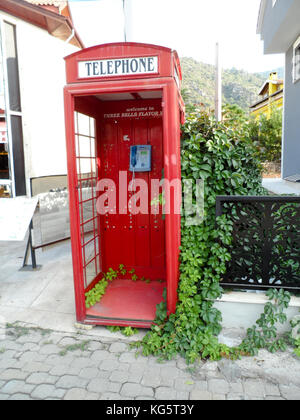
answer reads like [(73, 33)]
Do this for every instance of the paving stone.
[(9, 354), (181, 364), (29, 338), (41, 378), (135, 377), (50, 349), (10, 374), (150, 380), (32, 356), (55, 338), (184, 384), (17, 387), (92, 396), (254, 388), (131, 358), (124, 367), (83, 362), (100, 355), (151, 377), (290, 393), (235, 397), (230, 370), (201, 385), (10, 345), (58, 360), (10, 363), (164, 393), (110, 396), (198, 395), (136, 390), (236, 388), (67, 341), (167, 382), (219, 397), (62, 370), (36, 367), (98, 385), (75, 394), (30, 347), (20, 397), (109, 365), (170, 372), (118, 348), (218, 386), (95, 345), (114, 386), (42, 392), (182, 396), (120, 377), (136, 373), (89, 373), (272, 390), (68, 382), (103, 374)]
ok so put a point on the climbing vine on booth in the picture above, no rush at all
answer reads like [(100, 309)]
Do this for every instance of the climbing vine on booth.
[(222, 155)]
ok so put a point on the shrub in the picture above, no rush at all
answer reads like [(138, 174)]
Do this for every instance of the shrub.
[(223, 155), (266, 133)]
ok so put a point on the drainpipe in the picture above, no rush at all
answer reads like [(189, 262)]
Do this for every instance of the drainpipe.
[(128, 20), (70, 37), (218, 85)]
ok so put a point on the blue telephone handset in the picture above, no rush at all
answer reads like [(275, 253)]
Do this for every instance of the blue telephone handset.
[(133, 160), (140, 158)]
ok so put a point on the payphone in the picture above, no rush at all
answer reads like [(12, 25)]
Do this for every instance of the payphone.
[(140, 158)]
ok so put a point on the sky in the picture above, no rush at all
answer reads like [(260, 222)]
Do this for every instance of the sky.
[(192, 27)]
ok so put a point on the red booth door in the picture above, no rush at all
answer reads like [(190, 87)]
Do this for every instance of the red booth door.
[(137, 241)]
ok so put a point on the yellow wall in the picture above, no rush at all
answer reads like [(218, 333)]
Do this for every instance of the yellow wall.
[(267, 108), (272, 100)]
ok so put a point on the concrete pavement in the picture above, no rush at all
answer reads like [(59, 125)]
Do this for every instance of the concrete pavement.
[(41, 364), (43, 356)]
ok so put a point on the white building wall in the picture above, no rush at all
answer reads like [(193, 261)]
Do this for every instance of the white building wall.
[(42, 78)]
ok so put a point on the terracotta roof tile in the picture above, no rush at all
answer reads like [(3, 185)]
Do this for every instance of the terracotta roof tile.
[(60, 4)]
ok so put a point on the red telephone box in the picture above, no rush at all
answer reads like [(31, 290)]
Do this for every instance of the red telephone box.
[(123, 110)]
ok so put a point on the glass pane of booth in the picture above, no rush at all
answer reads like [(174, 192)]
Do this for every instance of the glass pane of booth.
[(87, 182)]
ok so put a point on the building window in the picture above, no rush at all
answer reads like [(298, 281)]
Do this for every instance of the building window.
[(296, 61), (12, 165)]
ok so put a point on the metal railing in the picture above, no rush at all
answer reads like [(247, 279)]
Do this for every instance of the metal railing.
[(265, 249)]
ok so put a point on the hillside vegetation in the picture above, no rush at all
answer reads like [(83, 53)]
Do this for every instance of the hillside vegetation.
[(239, 87)]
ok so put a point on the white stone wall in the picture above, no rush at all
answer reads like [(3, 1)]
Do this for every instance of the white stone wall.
[(42, 78)]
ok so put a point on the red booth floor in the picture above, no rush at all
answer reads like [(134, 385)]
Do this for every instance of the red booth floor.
[(128, 300)]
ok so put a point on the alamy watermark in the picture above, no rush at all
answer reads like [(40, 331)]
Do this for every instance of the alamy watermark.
[(158, 196)]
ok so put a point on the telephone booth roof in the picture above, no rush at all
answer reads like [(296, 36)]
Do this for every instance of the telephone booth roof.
[(106, 62)]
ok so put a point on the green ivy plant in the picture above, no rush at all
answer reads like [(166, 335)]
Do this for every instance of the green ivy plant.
[(224, 157), (265, 337), (295, 334), (297, 347), (95, 295), (127, 331)]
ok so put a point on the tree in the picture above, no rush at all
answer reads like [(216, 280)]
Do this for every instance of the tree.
[(267, 135)]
